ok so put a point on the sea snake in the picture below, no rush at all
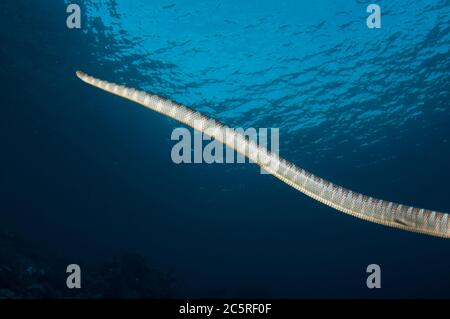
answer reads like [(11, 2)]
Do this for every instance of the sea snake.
[(375, 210)]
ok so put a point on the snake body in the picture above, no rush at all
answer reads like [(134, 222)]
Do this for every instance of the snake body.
[(368, 208)]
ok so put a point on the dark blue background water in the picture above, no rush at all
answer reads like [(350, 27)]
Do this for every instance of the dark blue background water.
[(87, 175)]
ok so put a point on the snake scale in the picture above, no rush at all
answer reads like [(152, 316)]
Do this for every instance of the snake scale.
[(378, 211)]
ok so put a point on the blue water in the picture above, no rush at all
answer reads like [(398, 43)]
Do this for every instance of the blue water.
[(88, 175)]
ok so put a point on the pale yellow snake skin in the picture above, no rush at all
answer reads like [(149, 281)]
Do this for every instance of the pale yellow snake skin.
[(344, 200)]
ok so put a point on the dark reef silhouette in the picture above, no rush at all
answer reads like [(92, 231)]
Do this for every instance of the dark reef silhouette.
[(25, 273)]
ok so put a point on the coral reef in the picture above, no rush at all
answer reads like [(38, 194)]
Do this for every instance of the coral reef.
[(27, 274)]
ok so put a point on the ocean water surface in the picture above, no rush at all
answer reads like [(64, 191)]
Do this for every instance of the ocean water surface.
[(86, 176)]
